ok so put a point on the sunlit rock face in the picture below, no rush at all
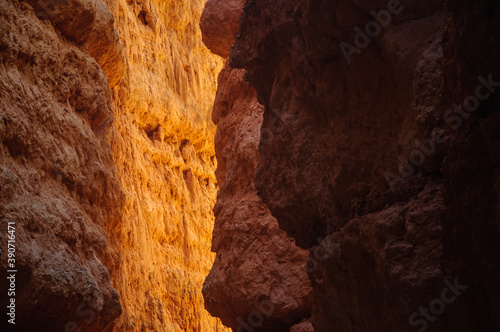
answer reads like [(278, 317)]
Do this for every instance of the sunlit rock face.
[(164, 155), (107, 163)]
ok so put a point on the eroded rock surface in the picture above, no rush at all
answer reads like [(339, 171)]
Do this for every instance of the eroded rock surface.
[(220, 22), (340, 130), (107, 163), (164, 154), (258, 280), (258, 270), (57, 177)]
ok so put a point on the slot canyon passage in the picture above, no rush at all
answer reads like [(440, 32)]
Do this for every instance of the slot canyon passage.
[(286, 165)]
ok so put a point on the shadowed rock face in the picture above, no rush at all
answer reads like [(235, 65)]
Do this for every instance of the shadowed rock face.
[(339, 126), (361, 161), (258, 278)]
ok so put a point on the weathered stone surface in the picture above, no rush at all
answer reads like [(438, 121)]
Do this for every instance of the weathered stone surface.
[(335, 126), (105, 47), (107, 163), (87, 22), (321, 115), (99, 178), (57, 177), (258, 278), (220, 22), (258, 273), (164, 154)]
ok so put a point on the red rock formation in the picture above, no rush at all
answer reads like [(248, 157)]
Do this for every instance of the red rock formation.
[(164, 151), (220, 22), (348, 143), (340, 129), (258, 276), (258, 279), (57, 176)]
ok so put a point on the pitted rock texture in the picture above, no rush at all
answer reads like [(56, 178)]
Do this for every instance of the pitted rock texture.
[(337, 140), (258, 278), (57, 177), (107, 163), (164, 154), (258, 270)]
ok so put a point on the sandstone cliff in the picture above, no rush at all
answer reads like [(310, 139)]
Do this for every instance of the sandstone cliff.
[(58, 181), (353, 174), (107, 163), (361, 161), (365, 160), (258, 281), (164, 153)]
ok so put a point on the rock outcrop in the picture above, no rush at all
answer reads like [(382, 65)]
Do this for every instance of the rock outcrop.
[(57, 176), (107, 163), (258, 278), (357, 165), (258, 281), (364, 159), (220, 21)]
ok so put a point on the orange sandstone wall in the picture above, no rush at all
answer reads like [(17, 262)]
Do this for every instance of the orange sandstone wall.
[(107, 163), (164, 153), (57, 177)]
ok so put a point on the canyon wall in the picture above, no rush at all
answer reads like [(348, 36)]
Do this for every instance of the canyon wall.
[(258, 281), (107, 163), (164, 153), (357, 164), (58, 180), (258, 278), (378, 152)]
